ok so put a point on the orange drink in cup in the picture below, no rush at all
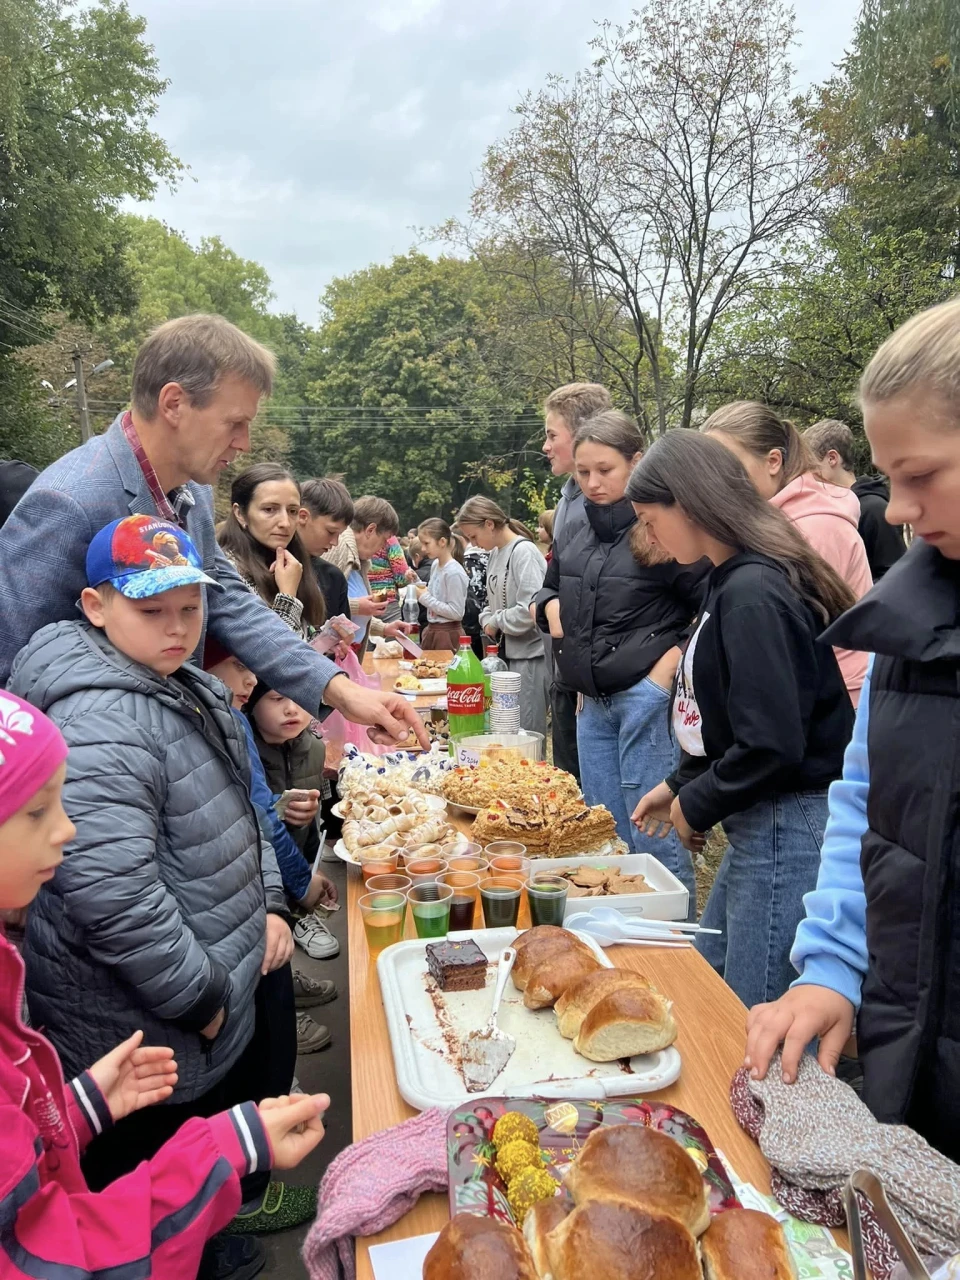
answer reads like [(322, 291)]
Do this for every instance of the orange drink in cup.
[(383, 915), (377, 867), (425, 870)]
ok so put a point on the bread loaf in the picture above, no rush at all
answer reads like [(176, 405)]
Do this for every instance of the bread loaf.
[(539, 1222), (611, 1240), (552, 976), (625, 1023), (642, 1167), (579, 998), (539, 944), (474, 1248), (742, 1244)]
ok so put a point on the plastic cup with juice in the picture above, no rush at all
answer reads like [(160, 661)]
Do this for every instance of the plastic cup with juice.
[(390, 883), (500, 896), (547, 896), (466, 888), (425, 870), (509, 856), (377, 867), (383, 918), (430, 904)]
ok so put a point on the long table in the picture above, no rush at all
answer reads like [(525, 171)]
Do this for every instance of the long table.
[(711, 1041)]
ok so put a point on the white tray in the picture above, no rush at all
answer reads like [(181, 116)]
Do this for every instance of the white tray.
[(422, 1020), (669, 900)]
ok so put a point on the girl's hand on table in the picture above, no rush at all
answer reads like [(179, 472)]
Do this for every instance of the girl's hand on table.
[(803, 1014), (293, 1126)]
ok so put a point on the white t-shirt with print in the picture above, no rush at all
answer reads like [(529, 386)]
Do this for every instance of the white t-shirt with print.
[(687, 725)]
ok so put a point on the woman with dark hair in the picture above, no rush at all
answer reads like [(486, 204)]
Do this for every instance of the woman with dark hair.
[(783, 468), (760, 710), (260, 538), (617, 612)]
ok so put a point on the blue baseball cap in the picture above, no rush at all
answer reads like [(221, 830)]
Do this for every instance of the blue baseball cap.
[(143, 556)]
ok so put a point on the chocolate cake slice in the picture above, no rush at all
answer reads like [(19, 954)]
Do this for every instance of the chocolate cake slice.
[(457, 966)]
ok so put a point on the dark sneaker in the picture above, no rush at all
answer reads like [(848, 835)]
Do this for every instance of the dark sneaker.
[(281, 1208), (312, 991), (229, 1257), (311, 1037)]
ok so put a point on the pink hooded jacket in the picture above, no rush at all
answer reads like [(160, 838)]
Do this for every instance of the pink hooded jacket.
[(154, 1221), (827, 516)]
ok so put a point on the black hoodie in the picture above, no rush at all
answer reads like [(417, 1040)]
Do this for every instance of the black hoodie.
[(775, 714), (884, 542), (619, 616)]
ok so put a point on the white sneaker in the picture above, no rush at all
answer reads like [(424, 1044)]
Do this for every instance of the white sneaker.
[(315, 938)]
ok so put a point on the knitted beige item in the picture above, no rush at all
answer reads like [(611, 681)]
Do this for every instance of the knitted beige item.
[(817, 1132)]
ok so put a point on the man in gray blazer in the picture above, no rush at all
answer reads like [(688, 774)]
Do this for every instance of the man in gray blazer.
[(197, 386)]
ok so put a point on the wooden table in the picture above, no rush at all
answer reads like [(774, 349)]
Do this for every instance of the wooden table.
[(711, 1041)]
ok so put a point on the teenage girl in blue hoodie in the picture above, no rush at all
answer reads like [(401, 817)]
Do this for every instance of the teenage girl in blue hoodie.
[(879, 949)]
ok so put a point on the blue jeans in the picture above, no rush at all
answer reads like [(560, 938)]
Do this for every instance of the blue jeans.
[(625, 750), (757, 898)]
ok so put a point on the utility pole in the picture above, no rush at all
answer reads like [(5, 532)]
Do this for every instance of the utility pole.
[(82, 408)]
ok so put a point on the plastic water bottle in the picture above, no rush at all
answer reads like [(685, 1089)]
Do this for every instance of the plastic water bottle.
[(466, 688), (410, 611), (492, 662)]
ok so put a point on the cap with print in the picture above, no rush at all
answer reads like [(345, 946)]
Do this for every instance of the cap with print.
[(143, 556)]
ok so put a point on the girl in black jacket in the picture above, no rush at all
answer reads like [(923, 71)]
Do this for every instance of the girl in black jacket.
[(618, 612), (760, 709)]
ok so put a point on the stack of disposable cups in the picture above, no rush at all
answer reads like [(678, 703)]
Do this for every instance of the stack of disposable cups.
[(505, 702)]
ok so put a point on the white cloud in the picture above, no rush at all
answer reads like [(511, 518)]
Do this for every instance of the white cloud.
[(319, 134)]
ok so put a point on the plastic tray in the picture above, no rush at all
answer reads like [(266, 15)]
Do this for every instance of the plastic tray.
[(426, 1025), (668, 901)]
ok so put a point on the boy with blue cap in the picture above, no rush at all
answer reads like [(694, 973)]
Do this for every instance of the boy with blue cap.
[(168, 905)]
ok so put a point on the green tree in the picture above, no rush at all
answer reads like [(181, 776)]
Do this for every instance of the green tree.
[(404, 398), (78, 89)]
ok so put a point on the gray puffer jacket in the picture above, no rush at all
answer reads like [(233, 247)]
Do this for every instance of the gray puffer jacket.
[(156, 917)]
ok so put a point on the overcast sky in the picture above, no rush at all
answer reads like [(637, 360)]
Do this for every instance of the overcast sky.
[(318, 133)]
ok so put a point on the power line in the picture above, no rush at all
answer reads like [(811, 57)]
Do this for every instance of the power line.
[(22, 317), (35, 336)]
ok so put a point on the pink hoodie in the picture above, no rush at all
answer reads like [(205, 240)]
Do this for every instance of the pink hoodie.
[(827, 516), (154, 1221)]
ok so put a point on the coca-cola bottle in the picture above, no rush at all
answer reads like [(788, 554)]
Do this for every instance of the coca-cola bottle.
[(465, 693)]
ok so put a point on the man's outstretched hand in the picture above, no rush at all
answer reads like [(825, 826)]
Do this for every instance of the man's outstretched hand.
[(388, 717)]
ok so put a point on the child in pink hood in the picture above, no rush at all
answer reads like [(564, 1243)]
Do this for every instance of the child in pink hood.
[(156, 1220), (783, 469)]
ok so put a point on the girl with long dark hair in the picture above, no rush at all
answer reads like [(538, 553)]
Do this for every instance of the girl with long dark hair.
[(618, 612), (260, 537), (760, 710)]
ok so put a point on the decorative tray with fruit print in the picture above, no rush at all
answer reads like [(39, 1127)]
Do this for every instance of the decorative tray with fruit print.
[(476, 1187)]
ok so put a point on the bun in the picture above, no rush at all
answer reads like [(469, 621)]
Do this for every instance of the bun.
[(617, 1241), (625, 1023), (742, 1244), (537, 945), (642, 1167), (579, 998), (552, 976), (474, 1248), (539, 1222)]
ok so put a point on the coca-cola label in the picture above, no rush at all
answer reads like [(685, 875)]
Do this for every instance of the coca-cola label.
[(465, 699)]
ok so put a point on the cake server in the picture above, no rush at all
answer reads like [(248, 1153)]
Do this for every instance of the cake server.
[(484, 1054)]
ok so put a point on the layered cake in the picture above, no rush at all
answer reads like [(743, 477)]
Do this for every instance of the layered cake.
[(457, 966)]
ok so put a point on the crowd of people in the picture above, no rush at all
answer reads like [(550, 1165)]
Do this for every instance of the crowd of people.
[(725, 629)]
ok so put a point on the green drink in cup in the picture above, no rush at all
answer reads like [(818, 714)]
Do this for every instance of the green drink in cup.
[(548, 899), (383, 915), (500, 896), (430, 904)]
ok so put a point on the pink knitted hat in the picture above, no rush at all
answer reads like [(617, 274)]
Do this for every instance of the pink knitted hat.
[(31, 750)]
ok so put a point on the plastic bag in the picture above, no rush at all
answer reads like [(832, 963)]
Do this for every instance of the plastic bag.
[(338, 732)]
